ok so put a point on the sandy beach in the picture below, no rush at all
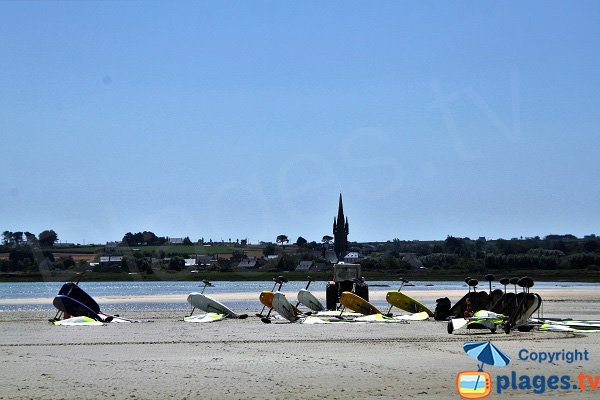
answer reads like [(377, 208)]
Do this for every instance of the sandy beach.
[(246, 359)]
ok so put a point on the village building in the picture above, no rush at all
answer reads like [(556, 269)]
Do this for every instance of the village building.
[(247, 263)]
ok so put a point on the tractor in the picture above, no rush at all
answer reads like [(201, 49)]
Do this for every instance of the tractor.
[(346, 278)]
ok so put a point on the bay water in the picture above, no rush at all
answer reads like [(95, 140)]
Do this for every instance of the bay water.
[(16, 294)]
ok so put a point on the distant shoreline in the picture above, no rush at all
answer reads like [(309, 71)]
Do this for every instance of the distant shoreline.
[(66, 276), (553, 294)]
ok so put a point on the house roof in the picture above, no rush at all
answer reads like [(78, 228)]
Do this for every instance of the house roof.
[(105, 259), (331, 257), (247, 263), (204, 259), (305, 265)]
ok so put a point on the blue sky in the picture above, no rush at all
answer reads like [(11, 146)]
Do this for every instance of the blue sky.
[(247, 119)]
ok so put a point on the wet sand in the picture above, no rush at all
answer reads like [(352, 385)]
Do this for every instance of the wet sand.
[(246, 359)]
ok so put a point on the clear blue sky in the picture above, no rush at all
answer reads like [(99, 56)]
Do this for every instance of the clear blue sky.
[(247, 119)]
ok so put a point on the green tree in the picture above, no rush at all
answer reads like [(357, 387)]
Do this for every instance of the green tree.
[(237, 256), (282, 239), (269, 250), (224, 265), (150, 239), (143, 238), (129, 240), (7, 238), (17, 238), (176, 264), (31, 239), (145, 267), (47, 238), (21, 258), (286, 262), (67, 262), (454, 245), (591, 244), (300, 242)]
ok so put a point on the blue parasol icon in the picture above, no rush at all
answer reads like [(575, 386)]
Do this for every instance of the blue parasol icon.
[(486, 353)]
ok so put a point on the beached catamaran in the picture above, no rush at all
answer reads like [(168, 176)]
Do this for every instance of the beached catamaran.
[(73, 302), (214, 309), (505, 310)]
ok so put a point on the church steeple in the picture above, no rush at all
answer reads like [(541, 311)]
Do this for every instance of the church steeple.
[(340, 232), (341, 211)]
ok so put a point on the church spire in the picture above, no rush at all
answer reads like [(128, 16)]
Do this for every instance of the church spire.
[(340, 232), (340, 217)]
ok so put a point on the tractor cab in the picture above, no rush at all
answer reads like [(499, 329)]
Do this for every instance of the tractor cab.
[(346, 278)]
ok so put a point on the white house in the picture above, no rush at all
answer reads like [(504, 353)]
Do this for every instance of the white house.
[(110, 259), (352, 257), (191, 262), (248, 263)]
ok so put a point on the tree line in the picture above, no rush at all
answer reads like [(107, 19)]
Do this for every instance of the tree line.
[(28, 252), (553, 252), (46, 238)]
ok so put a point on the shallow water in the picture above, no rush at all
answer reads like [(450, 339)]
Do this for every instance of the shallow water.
[(33, 290), (27, 290)]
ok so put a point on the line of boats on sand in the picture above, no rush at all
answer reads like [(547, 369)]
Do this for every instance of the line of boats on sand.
[(497, 309)]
